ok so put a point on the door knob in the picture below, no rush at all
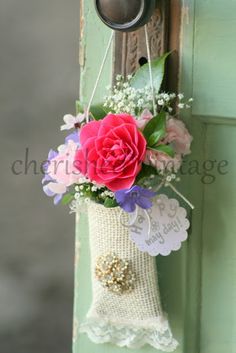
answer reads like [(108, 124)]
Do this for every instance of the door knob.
[(125, 15)]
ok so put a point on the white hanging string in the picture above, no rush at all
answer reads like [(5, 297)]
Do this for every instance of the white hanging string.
[(181, 195), (99, 75), (168, 184), (132, 221), (150, 69), (155, 111), (159, 186), (135, 213)]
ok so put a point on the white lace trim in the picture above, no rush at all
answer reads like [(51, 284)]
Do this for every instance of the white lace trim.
[(156, 333)]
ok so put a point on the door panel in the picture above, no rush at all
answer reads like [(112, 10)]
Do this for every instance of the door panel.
[(218, 321), (213, 85), (214, 73)]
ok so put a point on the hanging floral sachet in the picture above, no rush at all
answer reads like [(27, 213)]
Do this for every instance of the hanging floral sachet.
[(117, 158)]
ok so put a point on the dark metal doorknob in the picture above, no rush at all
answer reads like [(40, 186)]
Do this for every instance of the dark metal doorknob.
[(125, 15)]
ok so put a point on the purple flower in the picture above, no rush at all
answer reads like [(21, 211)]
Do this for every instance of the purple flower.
[(129, 198), (56, 186), (55, 190), (51, 154), (52, 188), (74, 137)]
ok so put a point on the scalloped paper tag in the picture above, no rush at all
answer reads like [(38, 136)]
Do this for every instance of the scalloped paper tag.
[(161, 229)]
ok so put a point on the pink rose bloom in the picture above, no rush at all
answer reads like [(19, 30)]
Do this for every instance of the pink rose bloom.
[(178, 136), (162, 161), (61, 168), (144, 119), (112, 151)]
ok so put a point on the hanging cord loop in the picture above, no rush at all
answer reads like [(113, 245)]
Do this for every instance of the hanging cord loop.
[(153, 98), (181, 195), (99, 75), (134, 219), (155, 112), (150, 69)]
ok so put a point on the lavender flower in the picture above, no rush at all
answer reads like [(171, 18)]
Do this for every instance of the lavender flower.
[(74, 137), (56, 190), (129, 198), (51, 155)]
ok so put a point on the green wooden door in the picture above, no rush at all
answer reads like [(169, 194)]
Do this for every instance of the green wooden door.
[(208, 71), (198, 284)]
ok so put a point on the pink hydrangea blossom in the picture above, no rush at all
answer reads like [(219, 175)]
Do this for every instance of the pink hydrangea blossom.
[(61, 168), (56, 190), (145, 117), (178, 136), (162, 161)]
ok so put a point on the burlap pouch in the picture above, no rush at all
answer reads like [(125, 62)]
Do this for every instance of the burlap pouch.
[(132, 318)]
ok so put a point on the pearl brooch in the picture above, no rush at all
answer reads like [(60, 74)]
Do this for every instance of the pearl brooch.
[(115, 274)]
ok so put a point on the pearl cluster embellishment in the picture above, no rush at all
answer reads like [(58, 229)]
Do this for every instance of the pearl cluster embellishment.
[(115, 274)]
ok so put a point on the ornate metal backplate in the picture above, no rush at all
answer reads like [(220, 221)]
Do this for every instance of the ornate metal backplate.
[(163, 31), (131, 47)]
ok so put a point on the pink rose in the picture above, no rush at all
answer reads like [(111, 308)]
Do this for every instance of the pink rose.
[(162, 161), (112, 151), (178, 136), (61, 168), (144, 119)]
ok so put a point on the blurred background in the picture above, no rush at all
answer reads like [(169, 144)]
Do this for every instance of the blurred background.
[(39, 80)]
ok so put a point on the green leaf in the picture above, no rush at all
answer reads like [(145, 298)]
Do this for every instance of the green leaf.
[(97, 111), (145, 172), (142, 76), (79, 107), (109, 203), (167, 149), (155, 137), (67, 199), (155, 129)]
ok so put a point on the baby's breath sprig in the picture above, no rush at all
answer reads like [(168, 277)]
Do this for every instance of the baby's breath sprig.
[(97, 193), (126, 99), (183, 103)]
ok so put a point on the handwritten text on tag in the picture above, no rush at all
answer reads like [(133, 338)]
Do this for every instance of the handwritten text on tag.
[(162, 228)]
